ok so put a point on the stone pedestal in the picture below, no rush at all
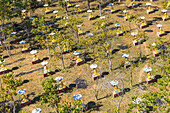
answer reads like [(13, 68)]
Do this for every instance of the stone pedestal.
[(47, 74), (63, 90), (24, 51), (161, 34), (26, 103), (157, 54), (79, 63), (35, 62), (150, 81), (150, 12), (113, 11), (117, 94), (4, 72)]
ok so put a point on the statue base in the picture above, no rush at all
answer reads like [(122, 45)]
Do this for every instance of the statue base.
[(149, 12), (4, 72), (114, 11), (57, 18), (127, 66), (162, 34), (157, 54), (63, 90), (135, 5), (79, 12), (35, 62), (69, 6), (135, 43), (79, 63), (96, 77), (119, 34), (47, 74), (143, 26), (26, 103), (15, 41), (24, 51), (47, 12), (117, 94), (64, 52), (150, 81), (92, 18), (165, 19), (125, 18), (81, 34)]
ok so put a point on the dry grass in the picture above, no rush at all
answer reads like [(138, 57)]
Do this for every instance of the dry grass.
[(70, 74)]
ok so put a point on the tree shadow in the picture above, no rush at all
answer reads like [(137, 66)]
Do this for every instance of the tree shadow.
[(23, 73), (105, 97), (92, 106), (71, 86), (16, 61), (167, 32), (139, 84), (81, 83), (115, 50), (5, 56), (149, 22), (36, 99), (123, 47)]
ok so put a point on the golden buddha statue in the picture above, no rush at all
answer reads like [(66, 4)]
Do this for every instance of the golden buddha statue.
[(65, 49), (24, 99), (127, 61), (133, 2), (135, 39), (56, 16), (61, 85), (165, 15), (79, 59), (150, 77), (90, 15), (46, 70), (79, 31), (35, 58), (68, 4), (79, 10), (116, 89), (149, 8), (24, 48), (126, 15), (3, 68), (46, 9), (24, 15), (95, 73)]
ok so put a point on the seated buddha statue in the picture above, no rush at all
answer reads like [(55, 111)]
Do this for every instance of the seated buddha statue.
[(161, 31), (135, 39), (35, 58), (80, 31), (46, 70), (95, 74), (24, 15), (156, 51), (119, 31), (150, 77), (79, 59), (65, 49), (24, 99), (126, 15), (79, 10), (68, 4), (149, 8), (90, 15), (127, 62), (47, 10), (165, 15), (112, 9), (116, 90), (61, 85), (3, 68), (24, 48), (56, 16)]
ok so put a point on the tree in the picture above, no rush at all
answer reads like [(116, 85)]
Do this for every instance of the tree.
[(50, 96), (8, 92)]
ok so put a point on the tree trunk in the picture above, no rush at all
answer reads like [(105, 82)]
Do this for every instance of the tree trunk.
[(27, 31), (77, 36), (62, 60), (2, 27), (110, 63), (48, 48), (100, 8), (88, 2), (129, 25)]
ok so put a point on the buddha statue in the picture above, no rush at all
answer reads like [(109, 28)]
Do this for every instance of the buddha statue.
[(65, 49), (3, 68), (61, 85), (116, 89), (35, 58), (68, 4), (95, 74), (46, 9), (156, 50), (24, 99), (165, 15), (79, 10), (149, 76), (24, 15), (127, 61), (79, 59), (56, 16), (149, 8), (80, 31), (90, 15), (136, 39), (24, 48), (46, 70)]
